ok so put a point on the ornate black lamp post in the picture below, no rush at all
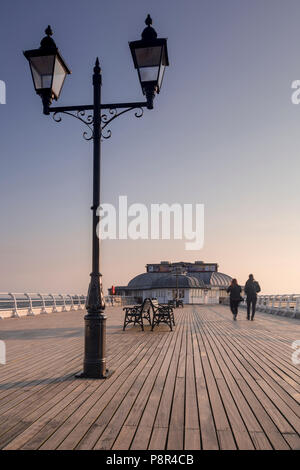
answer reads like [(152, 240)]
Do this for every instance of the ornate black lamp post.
[(49, 71)]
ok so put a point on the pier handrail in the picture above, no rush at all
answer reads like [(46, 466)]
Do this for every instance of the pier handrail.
[(16, 304), (285, 304)]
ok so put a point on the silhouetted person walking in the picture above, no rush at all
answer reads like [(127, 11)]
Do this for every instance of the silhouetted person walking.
[(251, 289), (235, 297)]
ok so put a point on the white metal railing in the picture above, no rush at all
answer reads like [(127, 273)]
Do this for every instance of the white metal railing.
[(14, 304), (286, 305)]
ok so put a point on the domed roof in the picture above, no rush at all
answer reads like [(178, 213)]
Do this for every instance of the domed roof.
[(220, 280), (183, 281), (145, 280), (189, 280)]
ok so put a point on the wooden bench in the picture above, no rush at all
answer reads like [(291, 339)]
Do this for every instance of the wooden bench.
[(137, 314), (162, 314)]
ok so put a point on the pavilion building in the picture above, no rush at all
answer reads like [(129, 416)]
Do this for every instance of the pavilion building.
[(194, 283)]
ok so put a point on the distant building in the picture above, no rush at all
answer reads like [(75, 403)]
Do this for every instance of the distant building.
[(196, 283)]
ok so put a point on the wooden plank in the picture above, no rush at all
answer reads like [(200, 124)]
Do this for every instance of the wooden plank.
[(157, 409), (252, 365), (141, 398), (111, 431), (95, 431), (176, 431), (249, 389), (35, 406), (191, 422), (158, 371), (240, 432), (112, 391), (36, 426), (209, 440), (158, 439), (48, 404), (224, 432), (246, 412), (65, 424), (211, 384), (293, 440), (124, 438)]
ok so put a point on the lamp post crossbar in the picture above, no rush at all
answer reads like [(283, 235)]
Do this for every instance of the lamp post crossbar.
[(79, 112), (61, 109)]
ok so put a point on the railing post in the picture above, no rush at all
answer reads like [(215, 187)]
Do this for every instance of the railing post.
[(43, 310), (288, 304), (273, 303), (68, 295), (72, 307), (54, 309), (259, 302), (279, 302), (15, 313), (268, 302), (30, 312), (64, 308), (297, 308), (79, 303), (293, 306)]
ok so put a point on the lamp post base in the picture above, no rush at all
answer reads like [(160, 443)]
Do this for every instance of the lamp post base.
[(84, 375), (94, 364)]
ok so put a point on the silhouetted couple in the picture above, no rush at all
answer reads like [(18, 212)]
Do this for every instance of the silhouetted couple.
[(251, 290)]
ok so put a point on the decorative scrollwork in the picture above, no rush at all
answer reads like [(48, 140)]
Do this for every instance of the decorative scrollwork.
[(81, 116), (88, 120), (106, 134), (106, 119), (86, 135), (139, 113), (56, 117), (113, 114)]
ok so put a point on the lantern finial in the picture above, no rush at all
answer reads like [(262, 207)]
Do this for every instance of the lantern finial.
[(49, 31), (148, 20), (149, 33), (47, 42)]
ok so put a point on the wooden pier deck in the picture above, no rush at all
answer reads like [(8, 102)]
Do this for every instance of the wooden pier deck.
[(210, 384)]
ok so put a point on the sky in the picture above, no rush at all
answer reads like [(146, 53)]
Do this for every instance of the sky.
[(223, 133)]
